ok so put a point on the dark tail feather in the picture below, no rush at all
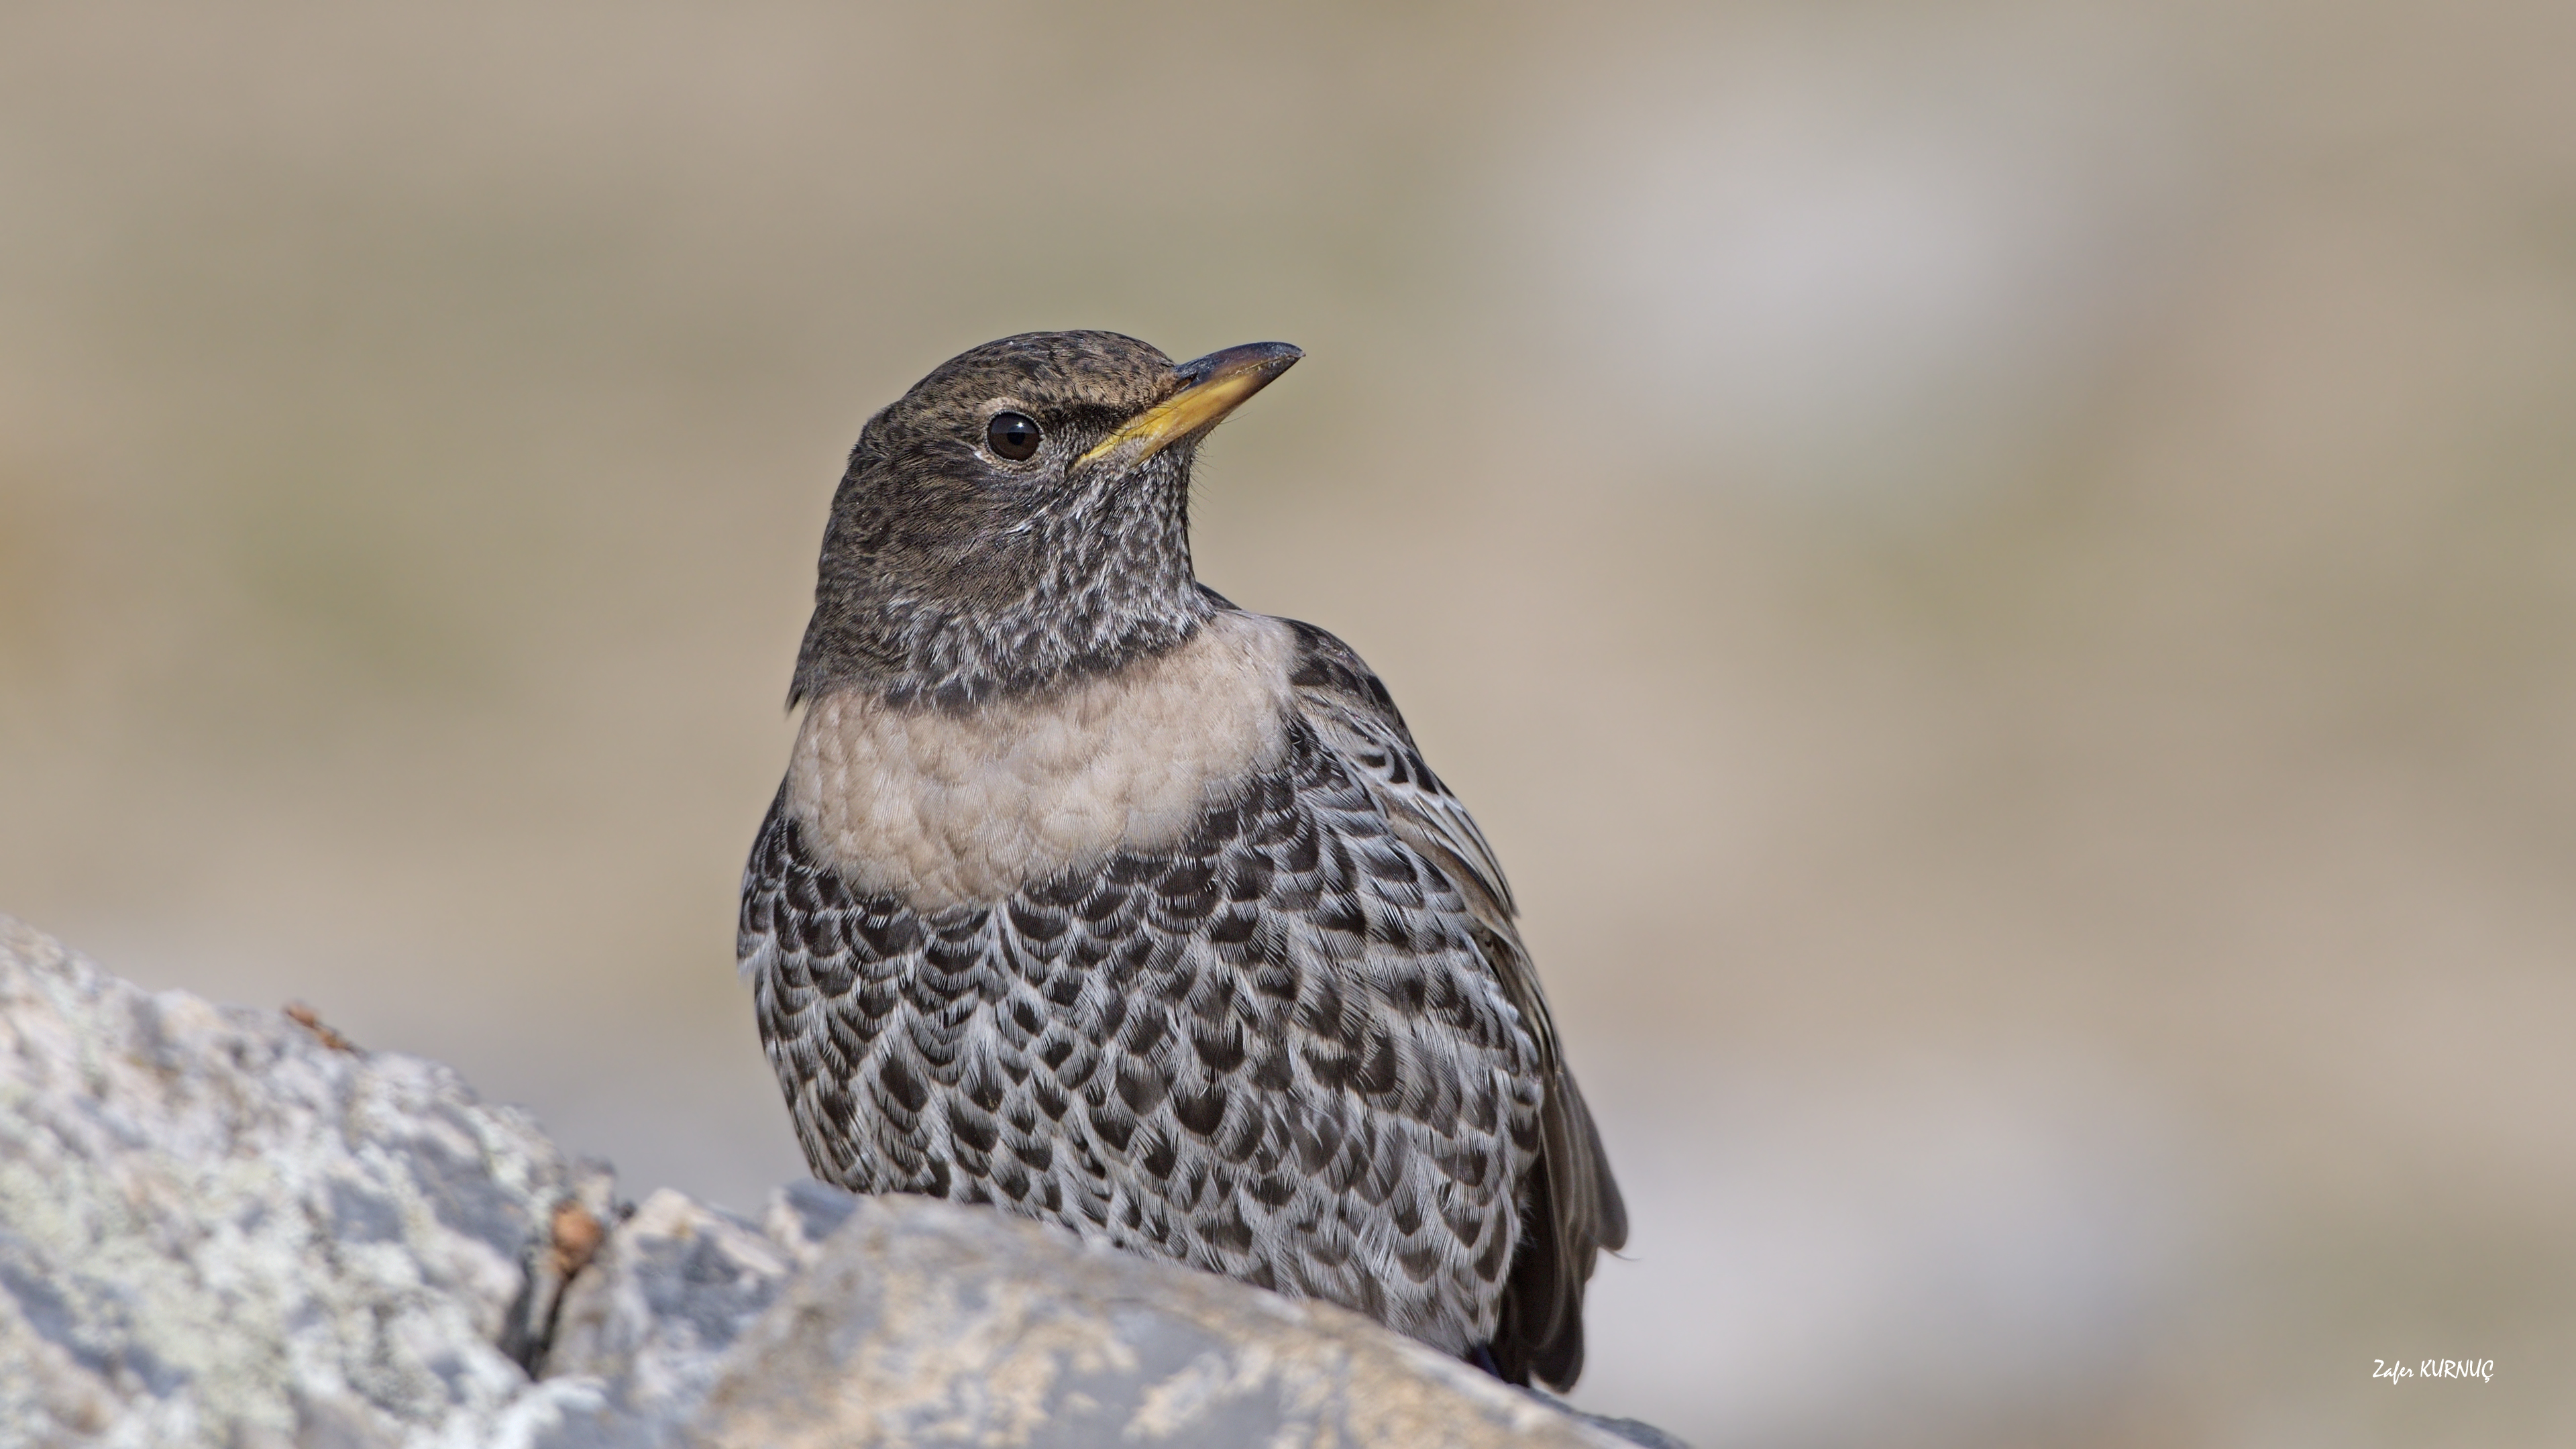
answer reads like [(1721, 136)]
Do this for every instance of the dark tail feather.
[(1570, 1211)]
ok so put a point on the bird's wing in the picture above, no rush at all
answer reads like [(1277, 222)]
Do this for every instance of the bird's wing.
[(1572, 1205)]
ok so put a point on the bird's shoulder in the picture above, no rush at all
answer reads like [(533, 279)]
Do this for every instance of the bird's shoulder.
[(1348, 710)]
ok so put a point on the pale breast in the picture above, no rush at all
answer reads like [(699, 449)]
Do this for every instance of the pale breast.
[(946, 808)]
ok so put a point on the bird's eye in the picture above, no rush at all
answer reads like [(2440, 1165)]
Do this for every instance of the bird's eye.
[(1013, 436)]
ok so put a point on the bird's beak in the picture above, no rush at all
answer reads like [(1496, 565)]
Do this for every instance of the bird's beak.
[(1211, 387)]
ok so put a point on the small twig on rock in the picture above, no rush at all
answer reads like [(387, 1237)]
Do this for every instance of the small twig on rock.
[(311, 1020)]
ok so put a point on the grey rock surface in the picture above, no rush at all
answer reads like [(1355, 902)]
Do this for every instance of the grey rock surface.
[(218, 1228), (922, 1322), (675, 1286), (223, 1226)]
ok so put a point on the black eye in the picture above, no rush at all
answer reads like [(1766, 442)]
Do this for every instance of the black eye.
[(1012, 435)]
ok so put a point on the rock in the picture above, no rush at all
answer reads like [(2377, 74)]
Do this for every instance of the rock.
[(225, 1226), (922, 1322), (677, 1284), (217, 1228)]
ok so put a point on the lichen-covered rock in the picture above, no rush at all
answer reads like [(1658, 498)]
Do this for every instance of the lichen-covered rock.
[(230, 1227), (219, 1227)]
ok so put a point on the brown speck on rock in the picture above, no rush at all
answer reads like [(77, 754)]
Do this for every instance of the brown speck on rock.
[(576, 1233), (311, 1020)]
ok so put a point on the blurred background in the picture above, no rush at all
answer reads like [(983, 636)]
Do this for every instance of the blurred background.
[(2003, 576)]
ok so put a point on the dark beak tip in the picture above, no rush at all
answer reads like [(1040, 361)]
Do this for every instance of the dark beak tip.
[(1272, 358)]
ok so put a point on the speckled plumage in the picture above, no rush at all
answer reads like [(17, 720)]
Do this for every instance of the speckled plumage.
[(1289, 1036)]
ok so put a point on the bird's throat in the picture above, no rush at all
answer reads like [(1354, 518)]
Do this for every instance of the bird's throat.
[(948, 807)]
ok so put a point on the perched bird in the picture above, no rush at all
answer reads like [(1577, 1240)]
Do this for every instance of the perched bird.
[(1096, 898)]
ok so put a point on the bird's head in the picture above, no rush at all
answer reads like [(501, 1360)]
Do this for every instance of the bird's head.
[(1020, 517)]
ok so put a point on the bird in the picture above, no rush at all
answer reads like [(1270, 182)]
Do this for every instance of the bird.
[(1093, 897)]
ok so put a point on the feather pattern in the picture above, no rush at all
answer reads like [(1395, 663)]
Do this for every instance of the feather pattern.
[(1571, 1209), (1302, 1046)]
